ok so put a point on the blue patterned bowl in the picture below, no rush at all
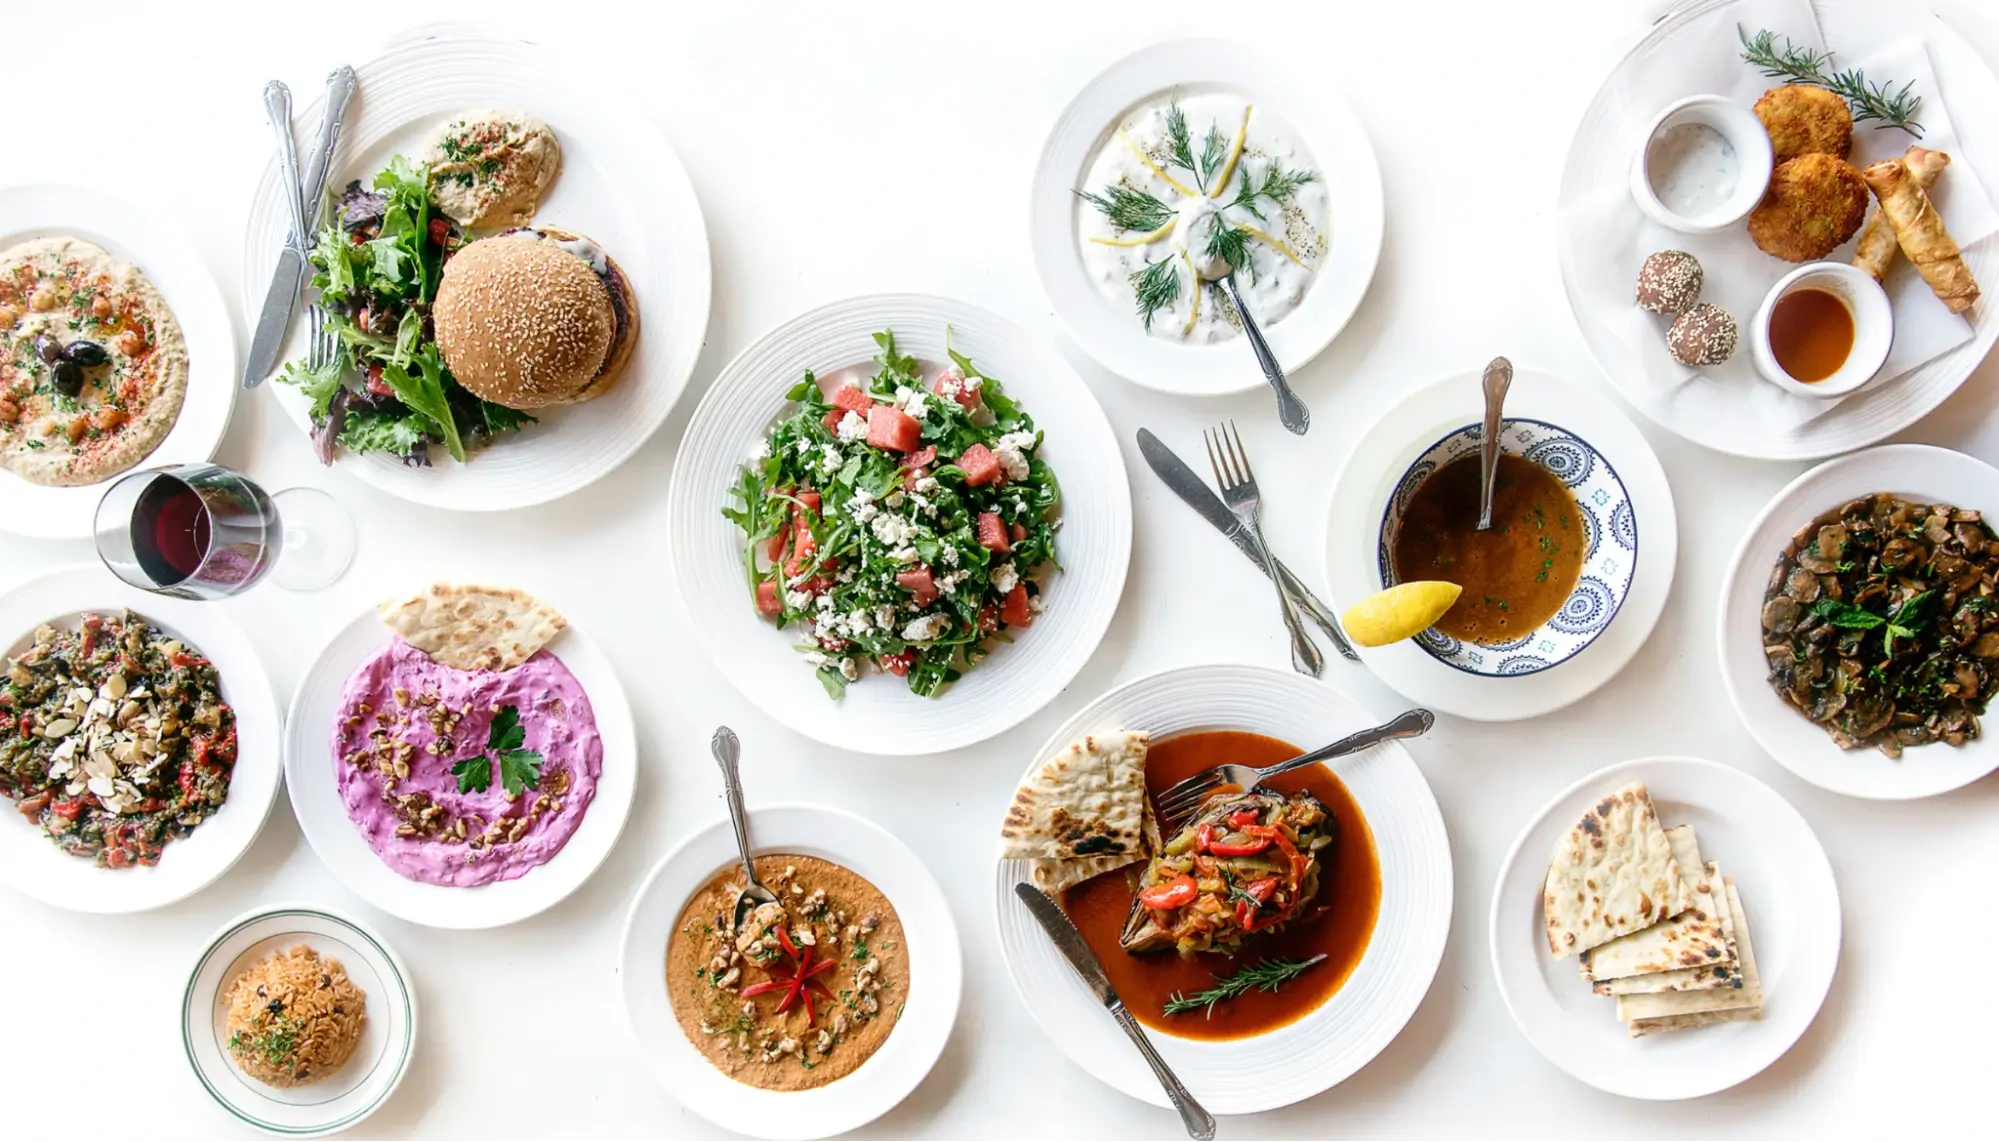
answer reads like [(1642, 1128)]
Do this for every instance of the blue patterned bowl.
[(1608, 523)]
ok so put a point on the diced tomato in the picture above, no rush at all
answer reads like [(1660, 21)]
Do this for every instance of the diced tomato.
[(1016, 531), (921, 458), (440, 229), (1014, 610), (768, 604), (67, 810), (981, 467), (851, 399), (376, 385), (893, 429), (803, 548), (988, 618), (899, 663), (116, 858), (832, 420), (992, 533), (920, 583)]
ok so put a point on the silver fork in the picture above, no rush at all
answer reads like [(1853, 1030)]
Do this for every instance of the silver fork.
[(323, 345), (1181, 801), (1238, 487)]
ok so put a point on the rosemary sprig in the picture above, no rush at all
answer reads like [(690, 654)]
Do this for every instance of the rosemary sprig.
[(1179, 147), (1871, 102), (1268, 975), (1130, 209), (1278, 186), (1157, 287), (1230, 244)]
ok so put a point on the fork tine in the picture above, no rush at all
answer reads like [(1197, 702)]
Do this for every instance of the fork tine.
[(1241, 455), (1214, 459)]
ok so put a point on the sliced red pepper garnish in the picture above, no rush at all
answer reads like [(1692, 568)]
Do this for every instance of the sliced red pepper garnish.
[(1176, 893), (784, 941), (1243, 818), (756, 989), (1203, 837), (1247, 848)]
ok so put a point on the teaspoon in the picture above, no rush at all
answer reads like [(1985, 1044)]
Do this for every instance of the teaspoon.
[(1498, 376), (726, 750), (1291, 411)]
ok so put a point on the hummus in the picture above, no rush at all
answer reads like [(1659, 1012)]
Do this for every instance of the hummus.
[(412, 733), (491, 168), (93, 366), (727, 989)]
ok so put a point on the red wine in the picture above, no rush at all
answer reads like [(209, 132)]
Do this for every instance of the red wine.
[(170, 531)]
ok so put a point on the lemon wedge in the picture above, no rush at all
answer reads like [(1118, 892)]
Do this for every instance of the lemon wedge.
[(1402, 611)]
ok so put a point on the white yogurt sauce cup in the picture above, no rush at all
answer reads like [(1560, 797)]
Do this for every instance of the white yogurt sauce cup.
[(1703, 164), (1873, 328)]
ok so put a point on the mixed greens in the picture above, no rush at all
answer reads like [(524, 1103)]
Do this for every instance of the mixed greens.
[(376, 266), (899, 523)]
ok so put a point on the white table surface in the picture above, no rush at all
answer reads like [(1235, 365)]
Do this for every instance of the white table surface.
[(892, 151)]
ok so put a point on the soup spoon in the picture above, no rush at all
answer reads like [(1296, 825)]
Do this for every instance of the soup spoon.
[(726, 750), (1498, 376)]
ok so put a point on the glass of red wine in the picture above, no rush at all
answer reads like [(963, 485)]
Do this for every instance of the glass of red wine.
[(202, 531)]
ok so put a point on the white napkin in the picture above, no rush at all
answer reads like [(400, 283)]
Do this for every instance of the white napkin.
[(1707, 58)]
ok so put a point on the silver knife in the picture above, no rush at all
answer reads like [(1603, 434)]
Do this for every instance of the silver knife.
[(340, 84), (1200, 1124), (282, 300), (1181, 480)]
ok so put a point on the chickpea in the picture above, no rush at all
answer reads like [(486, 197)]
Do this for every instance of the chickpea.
[(43, 300), (109, 418), (132, 342), (8, 316), (100, 307), (9, 411), (77, 428)]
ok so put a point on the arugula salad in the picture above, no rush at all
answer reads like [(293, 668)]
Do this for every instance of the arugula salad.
[(376, 266), (898, 523)]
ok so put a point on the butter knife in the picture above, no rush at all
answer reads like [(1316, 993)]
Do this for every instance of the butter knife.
[(1195, 493), (340, 84), (1200, 1124), (282, 300)]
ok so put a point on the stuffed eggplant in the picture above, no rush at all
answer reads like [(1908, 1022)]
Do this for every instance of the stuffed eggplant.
[(1248, 863)]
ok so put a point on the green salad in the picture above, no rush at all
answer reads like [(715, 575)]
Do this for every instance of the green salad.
[(901, 523), (376, 266)]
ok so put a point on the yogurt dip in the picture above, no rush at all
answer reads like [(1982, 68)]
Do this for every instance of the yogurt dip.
[(406, 720), (1282, 259), (1693, 168)]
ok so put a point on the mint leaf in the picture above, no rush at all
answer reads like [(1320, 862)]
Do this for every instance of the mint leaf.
[(520, 770), (506, 732), (474, 774), (1846, 615)]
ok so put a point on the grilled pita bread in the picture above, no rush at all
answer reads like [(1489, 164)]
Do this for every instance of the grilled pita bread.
[(1053, 876), (1671, 1011), (1088, 801), (1696, 938), (474, 628), (1613, 874)]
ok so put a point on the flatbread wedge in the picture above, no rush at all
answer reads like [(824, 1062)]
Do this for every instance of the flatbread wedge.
[(1697, 937), (469, 627), (1087, 801), (1054, 876), (1643, 1011), (1722, 973), (1612, 874)]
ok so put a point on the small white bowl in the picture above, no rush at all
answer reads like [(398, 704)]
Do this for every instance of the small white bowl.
[(1873, 328), (1747, 140)]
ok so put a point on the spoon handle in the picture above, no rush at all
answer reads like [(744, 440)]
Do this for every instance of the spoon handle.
[(727, 749), (1199, 1123), (1291, 411), (1408, 724), (1498, 378)]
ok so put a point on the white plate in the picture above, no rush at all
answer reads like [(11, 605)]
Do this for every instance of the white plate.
[(175, 268), (1914, 471), (1315, 110), (1404, 432), (1322, 1048), (322, 815), (31, 864), (369, 1076), (1600, 157), (620, 184), (1788, 895), (879, 715), (936, 974)]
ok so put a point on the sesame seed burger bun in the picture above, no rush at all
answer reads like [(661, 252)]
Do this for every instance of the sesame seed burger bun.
[(534, 317)]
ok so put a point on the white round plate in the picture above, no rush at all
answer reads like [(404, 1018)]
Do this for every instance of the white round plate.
[(878, 714), (620, 184), (1593, 199), (1312, 105), (1917, 472), (322, 815), (936, 975), (1323, 1047), (1369, 478), (369, 1076), (34, 866), (175, 268), (1788, 897)]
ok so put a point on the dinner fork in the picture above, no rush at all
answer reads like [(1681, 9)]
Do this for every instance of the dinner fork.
[(1174, 805), (1238, 487), (320, 350)]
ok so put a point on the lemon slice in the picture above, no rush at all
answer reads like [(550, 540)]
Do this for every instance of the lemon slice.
[(1402, 611)]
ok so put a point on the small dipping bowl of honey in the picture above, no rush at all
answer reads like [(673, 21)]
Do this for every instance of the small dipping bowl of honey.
[(1823, 331)]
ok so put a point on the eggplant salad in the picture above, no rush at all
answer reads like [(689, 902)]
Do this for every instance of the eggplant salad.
[(1880, 623), (1247, 863)]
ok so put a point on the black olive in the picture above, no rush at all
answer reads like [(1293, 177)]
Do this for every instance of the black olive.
[(49, 348), (69, 378), (88, 354)]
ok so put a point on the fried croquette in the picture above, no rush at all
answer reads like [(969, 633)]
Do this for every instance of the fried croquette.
[(1815, 203), (1805, 120)]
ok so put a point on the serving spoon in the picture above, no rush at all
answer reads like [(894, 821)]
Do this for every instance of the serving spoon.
[(1498, 377), (727, 749)]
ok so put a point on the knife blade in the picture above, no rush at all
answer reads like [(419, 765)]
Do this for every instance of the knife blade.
[(1199, 1123), (1195, 493), (276, 316)]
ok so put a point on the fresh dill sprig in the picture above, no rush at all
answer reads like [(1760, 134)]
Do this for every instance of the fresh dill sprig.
[(1879, 103), (1130, 209), (1214, 149), (1268, 975), (1179, 148), (1157, 287), (1230, 244), (1278, 186)]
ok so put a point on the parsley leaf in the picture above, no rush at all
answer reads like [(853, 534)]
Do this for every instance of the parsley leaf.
[(520, 770), (506, 732), (474, 774)]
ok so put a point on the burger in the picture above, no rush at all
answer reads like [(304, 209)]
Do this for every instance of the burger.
[(535, 317)]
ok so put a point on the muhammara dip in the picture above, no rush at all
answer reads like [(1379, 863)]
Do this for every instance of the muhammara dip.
[(490, 168), (738, 999), (93, 366)]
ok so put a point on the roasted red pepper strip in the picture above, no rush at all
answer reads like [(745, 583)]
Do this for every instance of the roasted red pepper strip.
[(1176, 893), (784, 941), (1242, 818), (1203, 837), (756, 989), (1247, 848)]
